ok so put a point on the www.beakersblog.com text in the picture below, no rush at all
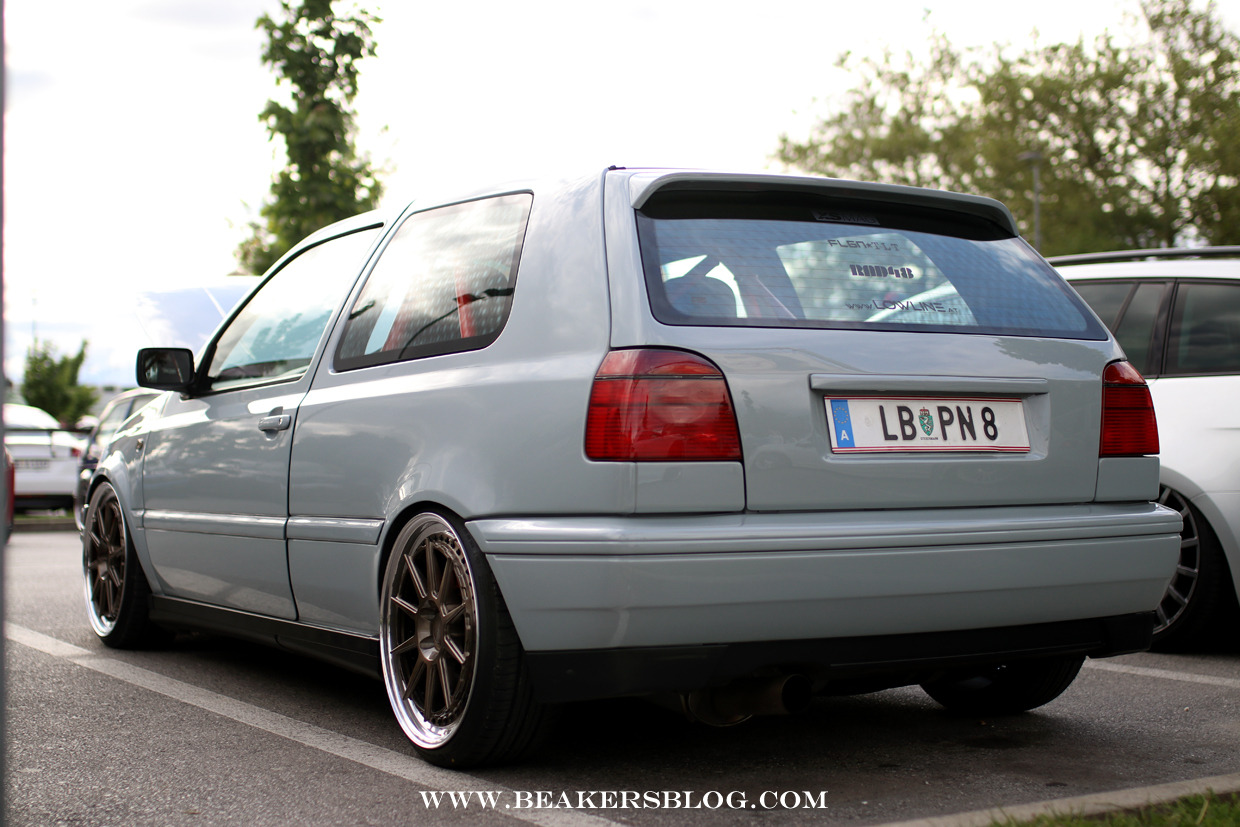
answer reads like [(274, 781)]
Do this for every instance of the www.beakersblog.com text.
[(623, 800)]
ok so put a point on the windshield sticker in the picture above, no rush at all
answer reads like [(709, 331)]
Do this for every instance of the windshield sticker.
[(921, 306), (879, 271), (862, 245), (845, 217)]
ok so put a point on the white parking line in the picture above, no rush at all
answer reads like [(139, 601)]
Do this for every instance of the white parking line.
[(1145, 672), (393, 763)]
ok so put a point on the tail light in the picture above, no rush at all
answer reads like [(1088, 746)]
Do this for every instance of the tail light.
[(660, 406), (1128, 424)]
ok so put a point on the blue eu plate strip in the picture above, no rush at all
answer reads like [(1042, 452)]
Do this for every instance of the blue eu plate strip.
[(843, 423)]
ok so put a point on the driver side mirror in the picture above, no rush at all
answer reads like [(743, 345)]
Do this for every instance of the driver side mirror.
[(166, 368)]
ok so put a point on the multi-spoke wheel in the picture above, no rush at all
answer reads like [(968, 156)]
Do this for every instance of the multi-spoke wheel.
[(451, 660), (116, 589), (1005, 689), (1201, 588)]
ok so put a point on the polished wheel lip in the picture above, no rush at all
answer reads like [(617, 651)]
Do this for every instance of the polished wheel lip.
[(429, 631), (1176, 599), (104, 546)]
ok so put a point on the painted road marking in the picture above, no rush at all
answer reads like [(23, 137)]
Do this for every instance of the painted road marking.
[(393, 763), (1167, 674)]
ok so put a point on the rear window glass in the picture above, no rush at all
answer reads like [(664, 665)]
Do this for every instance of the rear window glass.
[(820, 267)]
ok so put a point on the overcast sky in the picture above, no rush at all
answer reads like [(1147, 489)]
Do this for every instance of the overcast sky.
[(134, 157)]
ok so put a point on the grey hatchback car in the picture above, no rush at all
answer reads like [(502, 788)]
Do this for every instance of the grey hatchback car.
[(734, 440)]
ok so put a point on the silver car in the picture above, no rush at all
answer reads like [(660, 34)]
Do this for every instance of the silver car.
[(706, 437)]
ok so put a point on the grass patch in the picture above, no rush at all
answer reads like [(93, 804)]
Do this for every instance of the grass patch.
[(1206, 810)]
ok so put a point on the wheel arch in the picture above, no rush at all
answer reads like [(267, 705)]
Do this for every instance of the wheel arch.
[(397, 523), (1224, 531), (116, 473), (1208, 506)]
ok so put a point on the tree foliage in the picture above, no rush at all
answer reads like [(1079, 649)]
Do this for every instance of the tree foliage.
[(52, 384), (1133, 139), (315, 53)]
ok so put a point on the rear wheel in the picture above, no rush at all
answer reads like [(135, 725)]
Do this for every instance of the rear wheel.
[(1200, 591), (452, 664), (117, 594), (1007, 688)]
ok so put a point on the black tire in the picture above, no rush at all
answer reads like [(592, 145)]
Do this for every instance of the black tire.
[(452, 663), (117, 594), (1005, 689), (1201, 594)]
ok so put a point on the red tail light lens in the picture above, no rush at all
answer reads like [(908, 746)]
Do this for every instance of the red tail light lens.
[(1128, 424), (660, 406)]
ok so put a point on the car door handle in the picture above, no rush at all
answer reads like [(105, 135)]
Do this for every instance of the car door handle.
[(275, 422)]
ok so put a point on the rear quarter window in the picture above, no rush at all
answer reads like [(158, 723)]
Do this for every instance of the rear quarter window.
[(443, 284), (832, 266)]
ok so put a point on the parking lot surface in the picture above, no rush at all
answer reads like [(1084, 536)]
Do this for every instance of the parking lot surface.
[(211, 731)]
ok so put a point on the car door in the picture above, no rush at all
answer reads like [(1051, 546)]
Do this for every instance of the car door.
[(215, 473)]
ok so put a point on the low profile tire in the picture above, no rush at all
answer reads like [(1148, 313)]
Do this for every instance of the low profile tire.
[(117, 594), (1193, 608), (452, 664), (1005, 689)]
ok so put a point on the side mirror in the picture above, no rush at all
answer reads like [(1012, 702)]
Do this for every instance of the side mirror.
[(166, 368)]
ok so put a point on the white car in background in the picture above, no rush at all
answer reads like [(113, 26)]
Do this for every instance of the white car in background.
[(45, 458), (1176, 313)]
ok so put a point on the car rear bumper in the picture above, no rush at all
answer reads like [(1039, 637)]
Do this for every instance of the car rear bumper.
[(835, 665), (589, 584)]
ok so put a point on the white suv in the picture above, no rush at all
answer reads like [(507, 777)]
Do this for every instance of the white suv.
[(1176, 313)]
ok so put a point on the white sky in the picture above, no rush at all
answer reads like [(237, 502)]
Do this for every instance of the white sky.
[(134, 158)]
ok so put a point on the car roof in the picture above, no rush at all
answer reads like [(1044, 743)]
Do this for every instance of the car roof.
[(644, 182), (28, 417), (1172, 262)]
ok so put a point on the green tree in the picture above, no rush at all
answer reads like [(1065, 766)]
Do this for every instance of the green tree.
[(315, 53), (52, 384), (1133, 140)]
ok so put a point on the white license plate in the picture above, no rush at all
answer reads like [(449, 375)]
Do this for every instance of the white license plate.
[(900, 423), (32, 464)]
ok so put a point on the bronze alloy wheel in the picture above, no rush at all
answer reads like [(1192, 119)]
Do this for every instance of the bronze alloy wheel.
[(429, 631), (104, 547)]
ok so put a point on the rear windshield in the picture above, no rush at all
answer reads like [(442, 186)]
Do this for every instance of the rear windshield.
[(822, 265)]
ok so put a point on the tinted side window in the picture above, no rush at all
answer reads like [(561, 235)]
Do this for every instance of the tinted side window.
[(275, 335), (1136, 330), (1205, 329), (1106, 298), (444, 284)]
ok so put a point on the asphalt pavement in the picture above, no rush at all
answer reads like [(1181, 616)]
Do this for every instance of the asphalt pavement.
[(213, 732)]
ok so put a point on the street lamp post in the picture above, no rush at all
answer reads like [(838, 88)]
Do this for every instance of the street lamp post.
[(1034, 159)]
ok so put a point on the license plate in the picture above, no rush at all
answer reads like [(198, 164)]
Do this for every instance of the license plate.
[(899, 423), (32, 464)]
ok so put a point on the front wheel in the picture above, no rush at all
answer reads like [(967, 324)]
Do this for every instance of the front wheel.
[(1005, 689), (452, 664), (117, 594)]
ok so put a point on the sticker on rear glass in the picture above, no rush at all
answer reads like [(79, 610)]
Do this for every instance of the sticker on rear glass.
[(845, 217), (881, 271)]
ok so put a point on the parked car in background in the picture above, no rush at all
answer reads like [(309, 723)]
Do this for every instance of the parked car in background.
[(1176, 313), (643, 432), (114, 413), (45, 458), (9, 479)]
